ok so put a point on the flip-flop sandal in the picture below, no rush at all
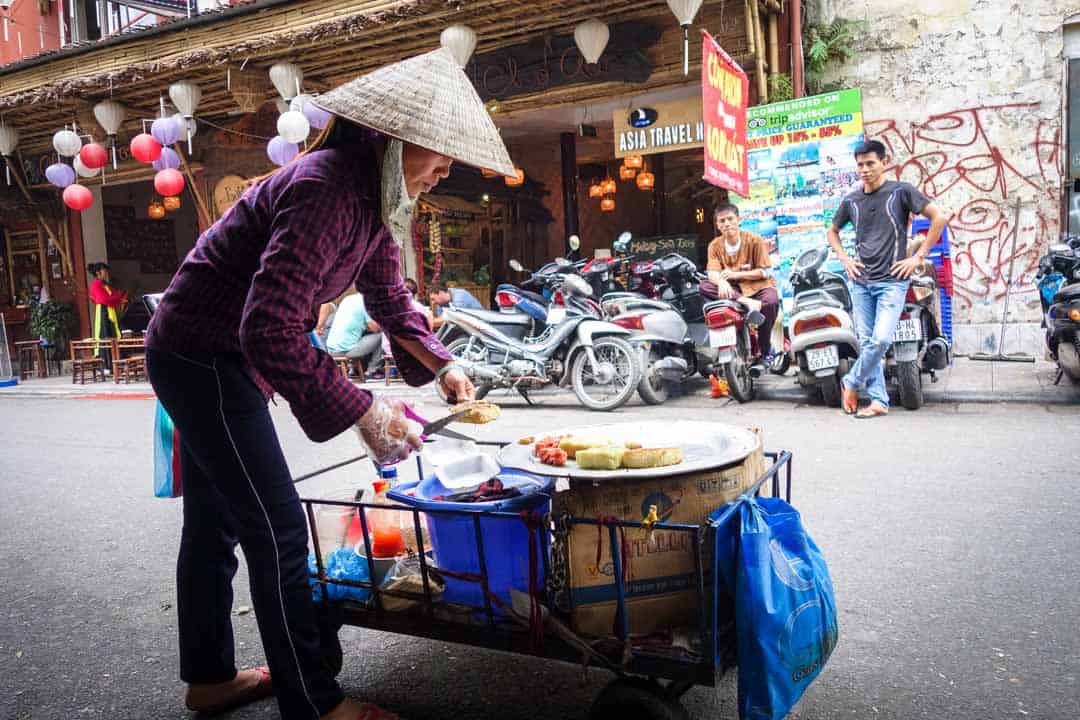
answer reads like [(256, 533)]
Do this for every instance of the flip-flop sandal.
[(867, 414), (848, 410), (264, 688)]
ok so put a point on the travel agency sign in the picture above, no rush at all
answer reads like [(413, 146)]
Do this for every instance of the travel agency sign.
[(659, 127)]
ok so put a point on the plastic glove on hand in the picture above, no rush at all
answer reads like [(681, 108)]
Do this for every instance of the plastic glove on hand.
[(387, 432)]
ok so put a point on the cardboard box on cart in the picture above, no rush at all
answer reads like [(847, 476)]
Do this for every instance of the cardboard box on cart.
[(660, 584)]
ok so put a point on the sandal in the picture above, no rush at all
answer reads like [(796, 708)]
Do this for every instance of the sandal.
[(849, 400), (872, 410), (264, 688)]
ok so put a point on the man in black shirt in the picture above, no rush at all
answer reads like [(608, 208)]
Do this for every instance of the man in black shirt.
[(880, 211)]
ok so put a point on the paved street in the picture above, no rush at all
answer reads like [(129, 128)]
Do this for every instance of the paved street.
[(950, 533)]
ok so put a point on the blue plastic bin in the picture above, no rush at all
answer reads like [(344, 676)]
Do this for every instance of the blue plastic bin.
[(506, 540)]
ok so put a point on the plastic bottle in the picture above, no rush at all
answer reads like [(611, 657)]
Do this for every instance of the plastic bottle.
[(384, 525)]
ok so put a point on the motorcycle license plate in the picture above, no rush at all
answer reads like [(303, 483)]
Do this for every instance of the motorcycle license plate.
[(907, 331), (724, 337), (556, 315), (821, 358)]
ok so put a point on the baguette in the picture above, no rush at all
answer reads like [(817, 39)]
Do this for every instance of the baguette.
[(643, 458)]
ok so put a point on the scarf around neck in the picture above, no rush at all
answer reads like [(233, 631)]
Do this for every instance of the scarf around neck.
[(397, 206)]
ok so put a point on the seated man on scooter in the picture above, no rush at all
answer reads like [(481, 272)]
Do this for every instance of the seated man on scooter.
[(738, 269)]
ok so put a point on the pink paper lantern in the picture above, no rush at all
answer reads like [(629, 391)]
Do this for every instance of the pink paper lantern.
[(93, 156), (145, 148), (78, 197), (169, 182)]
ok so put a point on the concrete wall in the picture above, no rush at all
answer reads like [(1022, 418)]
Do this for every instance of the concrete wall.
[(967, 95)]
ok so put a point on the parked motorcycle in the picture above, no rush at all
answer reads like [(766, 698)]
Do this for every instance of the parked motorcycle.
[(1059, 295), (823, 336), (576, 349), (918, 345), (662, 338)]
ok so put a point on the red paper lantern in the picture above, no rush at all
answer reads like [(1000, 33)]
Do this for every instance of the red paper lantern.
[(78, 197), (169, 182), (145, 148), (93, 156)]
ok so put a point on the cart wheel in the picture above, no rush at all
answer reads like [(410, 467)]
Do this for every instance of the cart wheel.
[(329, 642), (635, 698)]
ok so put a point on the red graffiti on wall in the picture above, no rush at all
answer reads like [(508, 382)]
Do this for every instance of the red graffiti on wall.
[(953, 158)]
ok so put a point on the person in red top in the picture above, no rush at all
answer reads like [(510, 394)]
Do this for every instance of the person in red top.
[(109, 304), (232, 329)]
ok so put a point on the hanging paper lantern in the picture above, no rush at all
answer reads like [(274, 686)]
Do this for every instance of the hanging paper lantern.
[(517, 180), (188, 126), (634, 161), (9, 140), (66, 143), (596, 190), (168, 159), (156, 211), (60, 174), (82, 170), (78, 197), (460, 40), (281, 151), (626, 172), (608, 187), (607, 204), (166, 130), (591, 38), (646, 180), (110, 116), (169, 182), (171, 203), (286, 78), (685, 10), (145, 148), (293, 126), (185, 96), (93, 156), (316, 116)]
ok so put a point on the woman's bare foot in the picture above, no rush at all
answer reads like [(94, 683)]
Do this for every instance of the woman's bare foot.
[(350, 709), (247, 686), (873, 410)]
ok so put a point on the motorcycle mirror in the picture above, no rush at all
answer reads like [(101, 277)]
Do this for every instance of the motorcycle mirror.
[(574, 242), (516, 266), (625, 237)]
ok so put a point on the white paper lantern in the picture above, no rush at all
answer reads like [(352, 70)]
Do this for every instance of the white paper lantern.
[(185, 96), (281, 105), (286, 78), (685, 11), (189, 127), (66, 143), (460, 40), (293, 127), (591, 37), (110, 116), (84, 171), (9, 139)]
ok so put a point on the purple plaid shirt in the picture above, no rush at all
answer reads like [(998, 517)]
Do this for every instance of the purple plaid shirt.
[(255, 279)]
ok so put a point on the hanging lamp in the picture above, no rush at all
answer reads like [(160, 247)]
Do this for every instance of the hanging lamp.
[(171, 203), (634, 161), (596, 189), (646, 180), (685, 10), (607, 204), (155, 211), (608, 186), (110, 116), (9, 140), (591, 37), (286, 78), (186, 96), (626, 172)]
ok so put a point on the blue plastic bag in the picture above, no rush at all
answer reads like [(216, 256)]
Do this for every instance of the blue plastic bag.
[(785, 612), (341, 564), (167, 481)]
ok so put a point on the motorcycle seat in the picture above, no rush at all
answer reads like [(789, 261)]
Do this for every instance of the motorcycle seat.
[(723, 303), (1067, 293), (494, 317)]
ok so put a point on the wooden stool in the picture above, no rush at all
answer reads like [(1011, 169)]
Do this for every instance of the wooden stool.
[(388, 365), (31, 359), (129, 368), (346, 363)]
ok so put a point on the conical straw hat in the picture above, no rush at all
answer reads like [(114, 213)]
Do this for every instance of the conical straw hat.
[(428, 101)]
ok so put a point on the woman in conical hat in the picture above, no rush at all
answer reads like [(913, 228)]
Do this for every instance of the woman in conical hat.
[(231, 330)]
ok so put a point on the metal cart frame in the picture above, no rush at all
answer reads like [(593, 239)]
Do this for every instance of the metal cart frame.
[(509, 632)]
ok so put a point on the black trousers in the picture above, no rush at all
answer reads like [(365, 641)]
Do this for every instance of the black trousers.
[(237, 488)]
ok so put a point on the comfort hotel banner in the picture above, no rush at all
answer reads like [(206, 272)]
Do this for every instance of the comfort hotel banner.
[(724, 96)]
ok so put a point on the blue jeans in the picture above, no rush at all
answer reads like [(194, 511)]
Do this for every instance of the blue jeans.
[(237, 488), (877, 308)]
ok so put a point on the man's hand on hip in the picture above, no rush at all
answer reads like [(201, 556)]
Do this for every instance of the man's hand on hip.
[(852, 267), (904, 268)]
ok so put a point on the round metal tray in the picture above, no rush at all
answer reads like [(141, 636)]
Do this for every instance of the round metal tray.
[(704, 445)]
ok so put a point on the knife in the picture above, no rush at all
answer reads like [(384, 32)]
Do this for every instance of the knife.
[(438, 427)]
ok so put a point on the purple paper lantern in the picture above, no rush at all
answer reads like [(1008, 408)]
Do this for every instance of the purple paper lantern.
[(316, 116), (281, 151), (169, 160), (165, 130), (60, 174)]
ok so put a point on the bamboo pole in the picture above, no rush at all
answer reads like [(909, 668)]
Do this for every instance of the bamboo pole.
[(759, 39), (53, 238), (751, 36), (194, 188), (774, 42)]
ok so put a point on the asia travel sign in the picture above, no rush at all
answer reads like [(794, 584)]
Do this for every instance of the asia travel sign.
[(724, 97), (659, 127)]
